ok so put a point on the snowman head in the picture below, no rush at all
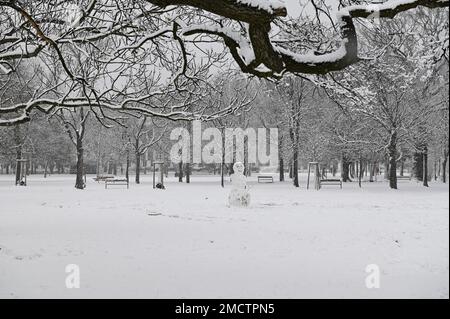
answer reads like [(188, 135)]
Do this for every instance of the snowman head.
[(238, 167)]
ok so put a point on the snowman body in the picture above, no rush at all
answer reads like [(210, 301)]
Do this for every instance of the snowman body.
[(239, 195)]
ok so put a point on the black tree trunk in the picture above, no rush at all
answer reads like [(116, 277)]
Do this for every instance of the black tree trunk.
[(138, 168), (127, 169), (392, 164), (418, 166), (373, 171), (295, 145), (425, 167), (180, 172), (187, 168), (345, 174), (280, 158), (18, 165), (295, 168), (444, 168), (361, 172), (79, 183)]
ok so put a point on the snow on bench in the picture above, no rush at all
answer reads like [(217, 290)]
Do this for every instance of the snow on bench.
[(102, 178), (116, 181), (336, 182), (265, 178)]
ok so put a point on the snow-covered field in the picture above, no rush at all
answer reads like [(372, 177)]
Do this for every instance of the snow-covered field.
[(185, 243)]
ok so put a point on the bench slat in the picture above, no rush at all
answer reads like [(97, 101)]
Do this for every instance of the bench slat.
[(265, 178), (116, 182), (331, 182)]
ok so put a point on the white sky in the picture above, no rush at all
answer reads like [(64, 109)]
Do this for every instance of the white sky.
[(293, 6)]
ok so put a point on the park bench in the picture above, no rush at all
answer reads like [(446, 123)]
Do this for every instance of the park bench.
[(265, 178), (116, 181), (102, 178), (336, 182), (403, 178)]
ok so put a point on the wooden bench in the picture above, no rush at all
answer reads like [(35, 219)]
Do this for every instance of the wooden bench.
[(115, 181), (102, 178), (403, 178), (265, 178), (336, 182)]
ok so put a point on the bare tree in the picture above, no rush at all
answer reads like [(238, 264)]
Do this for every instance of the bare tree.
[(75, 124), (118, 36), (144, 134)]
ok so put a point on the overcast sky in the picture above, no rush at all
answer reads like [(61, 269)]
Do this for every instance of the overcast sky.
[(293, 6)]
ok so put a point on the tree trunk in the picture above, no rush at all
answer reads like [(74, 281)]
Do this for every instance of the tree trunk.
[(245, 156), (361, 172), (79, 183), (187, 168), (138, 168), (222, 175), (425, 167), (180, 172), (18, 165), (352, 170), (280, 158), (222, 166), (392, 164), (373, 171), (281, 168), (387, 168), (345, 174), (28, 167), (291, 171), (402, 167), (45, 169), (439, 168), (418, 166), (435, 170), (98, 166), (444, 168), (294, 134), (127, 169), (357, 166), (144, 164), (295, 167)]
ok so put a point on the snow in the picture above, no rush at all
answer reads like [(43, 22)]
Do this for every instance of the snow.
[(185, 243), (341, 52), (375, 7), (311, 58), (266, 5)]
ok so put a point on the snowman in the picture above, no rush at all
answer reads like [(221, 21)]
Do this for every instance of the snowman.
[(239, 195)]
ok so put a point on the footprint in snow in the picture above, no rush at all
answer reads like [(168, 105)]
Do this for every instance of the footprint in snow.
[(270, 204), (30, 257), (154, 214)]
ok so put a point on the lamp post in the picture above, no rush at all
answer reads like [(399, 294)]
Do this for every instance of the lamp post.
[(160, 183)]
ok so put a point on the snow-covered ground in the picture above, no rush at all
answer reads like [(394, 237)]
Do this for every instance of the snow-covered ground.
[(185, 243)]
